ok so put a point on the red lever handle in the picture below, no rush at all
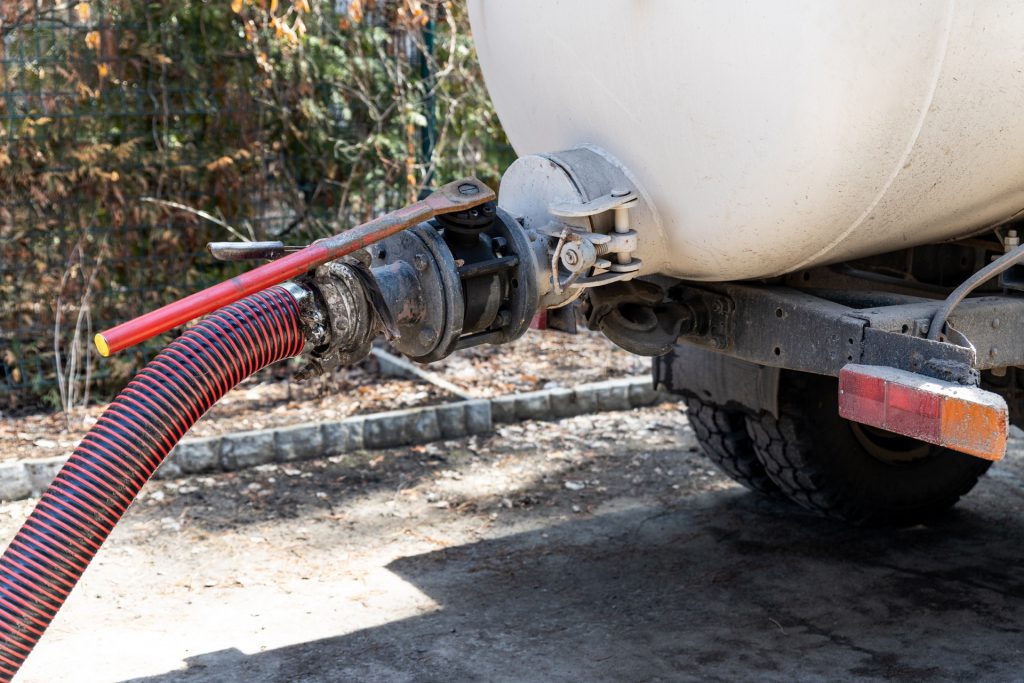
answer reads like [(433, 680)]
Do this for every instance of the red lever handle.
[(457, 196)]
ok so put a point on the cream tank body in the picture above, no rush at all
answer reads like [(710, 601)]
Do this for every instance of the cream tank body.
[(774, 136)]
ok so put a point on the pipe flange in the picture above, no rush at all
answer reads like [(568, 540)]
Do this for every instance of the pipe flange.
[(429, 309), (419, 310), (451, 298), (524, 294)]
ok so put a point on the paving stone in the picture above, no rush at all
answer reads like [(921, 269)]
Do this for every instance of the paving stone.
[(14, 481), (643, 393), (451, 419), (424, 427), (612, 395), (300, 442), (563, 402), (401, 428), (343, 436), (585, 398), (503, 409), (478, 416), (18, 480), (246, 449), (168, 470), (41, 472), (197, 455), (533, 406)]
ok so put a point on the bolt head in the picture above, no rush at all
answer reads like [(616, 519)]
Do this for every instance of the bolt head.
[(468, 189), (716, 306), (426, 334), (619, 192), (996, 323), (419, 261)]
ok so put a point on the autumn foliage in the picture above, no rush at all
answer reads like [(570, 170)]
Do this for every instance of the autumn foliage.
[(282, 119)]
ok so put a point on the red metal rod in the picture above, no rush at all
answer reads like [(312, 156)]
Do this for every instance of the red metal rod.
[(457, 196)]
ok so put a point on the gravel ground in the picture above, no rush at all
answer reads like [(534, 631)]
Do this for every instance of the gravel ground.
[(535, 361), (597, 548)]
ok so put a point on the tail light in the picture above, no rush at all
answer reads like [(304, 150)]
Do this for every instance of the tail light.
[(964, 418)]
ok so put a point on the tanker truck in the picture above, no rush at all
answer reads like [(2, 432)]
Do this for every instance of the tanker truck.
[(819, 187), (804, 212)]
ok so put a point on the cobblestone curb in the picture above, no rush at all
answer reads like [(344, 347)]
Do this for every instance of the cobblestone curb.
[(23, 478)]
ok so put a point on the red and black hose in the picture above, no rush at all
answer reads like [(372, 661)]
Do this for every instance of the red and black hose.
[(122, 451)]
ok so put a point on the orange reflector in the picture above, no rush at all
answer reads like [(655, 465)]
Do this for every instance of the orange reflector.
[(964, 418)]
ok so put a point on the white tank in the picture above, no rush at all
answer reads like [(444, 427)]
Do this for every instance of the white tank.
[(772, 136)]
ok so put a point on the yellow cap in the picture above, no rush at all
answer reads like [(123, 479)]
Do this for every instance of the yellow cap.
[(101, 345)]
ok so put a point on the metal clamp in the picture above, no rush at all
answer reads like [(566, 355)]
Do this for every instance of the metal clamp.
[(593, 258)]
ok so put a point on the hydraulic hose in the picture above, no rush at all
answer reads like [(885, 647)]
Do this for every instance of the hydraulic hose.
[(122, 451)]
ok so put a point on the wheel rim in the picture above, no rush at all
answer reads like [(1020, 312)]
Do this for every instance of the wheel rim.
[(892, 449)]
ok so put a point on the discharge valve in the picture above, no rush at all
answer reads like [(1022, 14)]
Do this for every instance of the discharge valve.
[(458, 280)]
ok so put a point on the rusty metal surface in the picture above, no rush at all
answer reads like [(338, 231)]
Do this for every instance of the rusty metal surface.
[(455, 196), (988, 322)]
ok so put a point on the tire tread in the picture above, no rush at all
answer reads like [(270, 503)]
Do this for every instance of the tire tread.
[(722, 435)]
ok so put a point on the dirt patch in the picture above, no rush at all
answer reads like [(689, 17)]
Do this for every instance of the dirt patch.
[(594, 548), (538, 360)]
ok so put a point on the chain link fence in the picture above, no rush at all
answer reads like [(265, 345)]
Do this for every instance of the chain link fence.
[(132, 133)]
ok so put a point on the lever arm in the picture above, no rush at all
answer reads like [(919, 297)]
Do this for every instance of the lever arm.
[(456, 196)]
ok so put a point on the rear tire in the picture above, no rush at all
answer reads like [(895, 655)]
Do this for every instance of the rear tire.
[(852, 472), (722, 435)]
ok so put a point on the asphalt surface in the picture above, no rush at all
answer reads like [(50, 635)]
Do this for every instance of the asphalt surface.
[(594, 549)]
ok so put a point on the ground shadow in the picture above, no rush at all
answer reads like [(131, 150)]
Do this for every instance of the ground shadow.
[(729, 587)]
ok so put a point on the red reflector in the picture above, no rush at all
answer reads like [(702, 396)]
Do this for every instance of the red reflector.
[(864, 396), (964, 418), (912, 412)]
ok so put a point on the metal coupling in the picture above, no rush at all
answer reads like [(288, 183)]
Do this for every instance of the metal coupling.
[(339, 319)]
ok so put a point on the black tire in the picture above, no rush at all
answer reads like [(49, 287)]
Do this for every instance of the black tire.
[(722, 435), (847, 471)]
